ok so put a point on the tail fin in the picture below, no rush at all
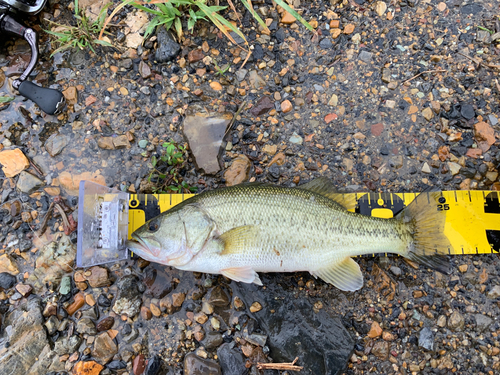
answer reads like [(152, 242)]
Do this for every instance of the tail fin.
[(429, 245)]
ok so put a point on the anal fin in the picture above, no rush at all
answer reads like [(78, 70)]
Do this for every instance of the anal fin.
[(243, 274), (345, 275)]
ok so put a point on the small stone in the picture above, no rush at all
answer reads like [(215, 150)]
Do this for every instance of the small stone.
[(396, 271), (270, 149), (139, 364), (330, 117), (104, 348), (167, 48), (255, 307), (380, 8), (441, 322), (456, 321), (98, 277), (349, 28), (28, 183), (121, 142), (296, 139), (483, 322), (144, 70), (13, 162), (333, 100), (238, 172), (216, 86), (255, 80), (86, 326), (375, 330), (467, 111), (263, 105), (286, 106), (106, 143), (56, 143), (105, 324), (195, 55), (485, 135), (426, 168), (155, 310), (426, 339), (365, 56), (146, 313), (194, 365), (441, 6), (288, 19), (463, 268), (381, 350), (427, 113), (454, 168), (7, 280), (178, 299), (494, 292), (387, 336), (24, 289), (87, 368), (65, 286)]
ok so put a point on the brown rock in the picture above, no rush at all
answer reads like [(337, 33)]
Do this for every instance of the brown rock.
[(255, 307), (91, 99), (71, 95), (381, 349), (427, 113), (98, 277), (279, 159), (146, 313), (334, 24), (474, 153), (330, 117), (24, 289), (238, 172), (70, 183), (335, 33), (104, 348), (263, 105), (216, 86), (286, 106), (201, 317), (483, 277), (288, 19), (198, 92), (7, 264), (178, 299), (144, 70), (195, 55), (105, 324), (13, 162), (375, 330), (377, 129), (52, 190), (121, 142), (106, 143), (155, 310), (349, 28), (387, 336), (418, 294), (79, 301), (270, 149), (26, 217), (139, 364), (87, 368), (436, 106), (89, 298), (485, 135)]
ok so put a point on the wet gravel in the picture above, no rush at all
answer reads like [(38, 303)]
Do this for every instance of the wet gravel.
[(397, 97)]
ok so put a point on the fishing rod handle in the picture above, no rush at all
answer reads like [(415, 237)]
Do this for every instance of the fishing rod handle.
[(50, 101)]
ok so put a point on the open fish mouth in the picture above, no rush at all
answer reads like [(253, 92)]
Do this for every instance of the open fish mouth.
[(141, 247)]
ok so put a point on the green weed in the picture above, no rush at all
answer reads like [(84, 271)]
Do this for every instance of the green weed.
[(6, 99), (84, 35), (166, 170), (221, 71)]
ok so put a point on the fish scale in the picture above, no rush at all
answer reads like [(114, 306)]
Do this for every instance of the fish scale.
[(253, 228)]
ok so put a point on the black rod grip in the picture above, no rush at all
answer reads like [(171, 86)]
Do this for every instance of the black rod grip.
[(49, 100)]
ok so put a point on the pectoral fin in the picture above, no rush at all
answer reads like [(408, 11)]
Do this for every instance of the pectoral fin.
[(243, 274), (238, 239), (345, 275)]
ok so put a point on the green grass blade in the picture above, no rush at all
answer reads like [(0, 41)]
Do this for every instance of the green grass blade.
[(297, 16), (6, 99), (248, 5), (220, 22), (148, 10)]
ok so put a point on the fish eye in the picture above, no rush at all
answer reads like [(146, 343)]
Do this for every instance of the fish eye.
[(153, 226)]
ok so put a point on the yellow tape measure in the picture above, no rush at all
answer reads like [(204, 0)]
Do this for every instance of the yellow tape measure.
[(472, 224)]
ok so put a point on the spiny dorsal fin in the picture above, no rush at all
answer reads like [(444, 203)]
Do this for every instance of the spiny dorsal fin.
[(243, 274), (345, 275), (239, 239), (324, 186)]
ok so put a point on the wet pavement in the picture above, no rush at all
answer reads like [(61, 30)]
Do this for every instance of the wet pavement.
[(398, 96)]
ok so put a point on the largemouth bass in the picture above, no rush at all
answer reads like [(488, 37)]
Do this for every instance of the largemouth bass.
[(241, 230)]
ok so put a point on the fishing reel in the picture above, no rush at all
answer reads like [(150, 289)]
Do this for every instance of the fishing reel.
[(50, 101)]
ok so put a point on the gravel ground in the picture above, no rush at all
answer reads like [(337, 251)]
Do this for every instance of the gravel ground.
[(384, 97)]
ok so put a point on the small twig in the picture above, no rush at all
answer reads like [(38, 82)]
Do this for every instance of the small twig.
[(427, 71), (290, 366), (234, 10), (45, 221), (233, 120), (246, 59), (498, 85), (480, 62)]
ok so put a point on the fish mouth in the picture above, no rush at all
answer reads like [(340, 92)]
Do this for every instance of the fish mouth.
[(141, 247)]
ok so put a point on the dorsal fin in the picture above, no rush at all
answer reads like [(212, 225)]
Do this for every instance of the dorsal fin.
[(324, 187)]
